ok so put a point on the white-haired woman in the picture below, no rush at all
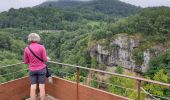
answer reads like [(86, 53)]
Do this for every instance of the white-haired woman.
[(37, 68)]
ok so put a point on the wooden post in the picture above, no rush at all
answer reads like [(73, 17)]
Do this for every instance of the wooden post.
[(78, 80), (138, 88)]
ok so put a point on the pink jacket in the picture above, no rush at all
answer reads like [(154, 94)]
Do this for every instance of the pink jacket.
[(29, 58)]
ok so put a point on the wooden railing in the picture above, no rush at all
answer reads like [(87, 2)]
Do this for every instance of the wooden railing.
[(138, 79)]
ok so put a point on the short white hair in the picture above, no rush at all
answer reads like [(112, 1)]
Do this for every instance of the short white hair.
[(33, 37)]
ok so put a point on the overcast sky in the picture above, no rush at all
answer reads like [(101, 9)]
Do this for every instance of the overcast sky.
[(7, 4), (148, 3)]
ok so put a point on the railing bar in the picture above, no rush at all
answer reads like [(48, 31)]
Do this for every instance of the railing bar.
[(111, 73), (99, 81), (62, 72), (144, 91), (161, 97), (110, 84), (96, 70), (153, 95), (65, 73), (13, 72), (11, 65), (148, 93)]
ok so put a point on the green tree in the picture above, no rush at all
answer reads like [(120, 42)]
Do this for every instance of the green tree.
[(158, 89)]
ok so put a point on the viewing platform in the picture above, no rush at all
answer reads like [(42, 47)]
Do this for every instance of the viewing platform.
[(62, 89)]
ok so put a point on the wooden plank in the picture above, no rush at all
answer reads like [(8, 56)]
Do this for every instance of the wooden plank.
[(17, 89), (67, 90)]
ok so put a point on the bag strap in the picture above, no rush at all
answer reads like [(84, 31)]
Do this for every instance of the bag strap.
[(35, 54)]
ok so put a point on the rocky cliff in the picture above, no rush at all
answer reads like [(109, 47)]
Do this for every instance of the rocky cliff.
[(121, 52)]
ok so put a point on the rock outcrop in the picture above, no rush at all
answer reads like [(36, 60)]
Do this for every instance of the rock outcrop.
[(121, 53)]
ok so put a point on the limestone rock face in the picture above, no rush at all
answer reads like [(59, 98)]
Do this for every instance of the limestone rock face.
[(121, 53), (146, 59)]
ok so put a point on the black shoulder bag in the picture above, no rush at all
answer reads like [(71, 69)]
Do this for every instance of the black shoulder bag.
[(48, 72)]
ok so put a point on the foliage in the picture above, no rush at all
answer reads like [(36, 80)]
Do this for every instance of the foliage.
[(157, 89), (12, 72), (158, 63), (122, 86), (51, 18), (102, 66), (94, 84), (110, 7), (119, 69), (5, 42), (74, 78), (94, 62), (138, 56), (159, 71)]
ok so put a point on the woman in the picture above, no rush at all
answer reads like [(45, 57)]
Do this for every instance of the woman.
[(37, 68)]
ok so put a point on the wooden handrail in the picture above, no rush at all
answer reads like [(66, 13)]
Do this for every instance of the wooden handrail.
[(138, 79), (116, 74)]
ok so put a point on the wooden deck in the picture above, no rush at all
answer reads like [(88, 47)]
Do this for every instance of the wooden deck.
[(48, 97)]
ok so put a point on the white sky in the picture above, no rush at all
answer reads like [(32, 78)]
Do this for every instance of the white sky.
[(148, 3), (7, 4)]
